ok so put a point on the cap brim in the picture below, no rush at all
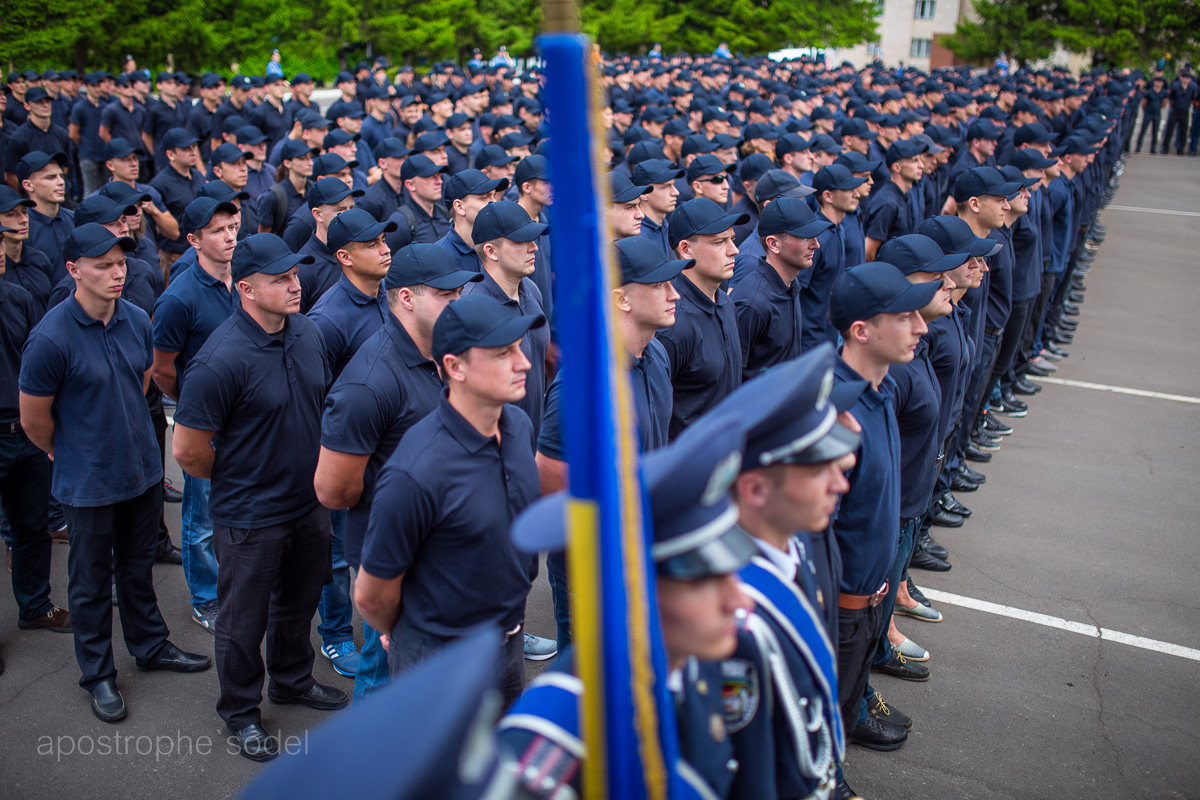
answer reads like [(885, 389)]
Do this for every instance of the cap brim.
[(6, 207), (667, 271), (454, 280), (95, 251), (631, 194), (527, 232), (667, 176), (840, 441), (914, 298), (726, 554), (797, 191), (948, 262), (372, 232), (810, 230), (282, 265), (510, 330), (722, 224)]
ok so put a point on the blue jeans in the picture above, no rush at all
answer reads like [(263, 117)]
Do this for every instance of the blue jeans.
[(199, 561), (337, 613), (372, 672), (556, 567), (908, 540)]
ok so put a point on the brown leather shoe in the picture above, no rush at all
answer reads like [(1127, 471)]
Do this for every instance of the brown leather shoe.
[(59, 534), (56, 619)]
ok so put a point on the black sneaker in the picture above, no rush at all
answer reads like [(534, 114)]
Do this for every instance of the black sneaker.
[(881, 711), (1008, 408), (974, 476), (993, 425), (984, 442), (915, 593)]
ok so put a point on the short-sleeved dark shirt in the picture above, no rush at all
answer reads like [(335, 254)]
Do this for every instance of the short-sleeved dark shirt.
[(816, 285), (263, 396), (319, 277), (17, 318), (193, 306), (466, 256), (201, 124), (1027, 254), (1000, 279), (918, 407), (950, 353), (86, 115), (265, 207), (160, 118), (347, 317), (177, 191), (269, 119), (430, 227), (48, 235), (854, 239), (888, 215), (29, 137), (35, 274), (105, 450), (124, 123), (704, 352), (657, 234), (440, 517), (381, 199), (769, 319)]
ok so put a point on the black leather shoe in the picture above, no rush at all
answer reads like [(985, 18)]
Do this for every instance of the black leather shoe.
[(900, 667), (915, 593), (929, 545), (944, 519), (1070, 309), (1059, 336), (974, 476), (255, 743), (1025, 387), (977, 455), (170, 555), (996, 426), (320, 697), (1075, 296), (881, 711), (1068, 325), (1037, 370), (875, 734), (961, 484), (107, 703), (951, 504), (175, 660), (170, 493), (923, 559), (844, 792)]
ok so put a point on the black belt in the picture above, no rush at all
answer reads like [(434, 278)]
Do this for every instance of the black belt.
[(10, 427)]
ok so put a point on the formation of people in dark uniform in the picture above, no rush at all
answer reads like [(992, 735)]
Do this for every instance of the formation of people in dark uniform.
[(842, 283)]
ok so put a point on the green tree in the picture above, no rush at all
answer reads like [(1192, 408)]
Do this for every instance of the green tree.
[(1023, 29)]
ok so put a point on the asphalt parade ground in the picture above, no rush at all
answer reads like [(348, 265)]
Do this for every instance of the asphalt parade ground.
[(1067, 662)]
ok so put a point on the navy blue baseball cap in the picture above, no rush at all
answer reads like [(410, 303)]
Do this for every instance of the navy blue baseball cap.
[(694, 521), (505, 220), (904, 148), (337, 137), (471, 181), (35, 160), (983, 129), (430, 140), (301, 77), (916, 252), (36, 93), (123, 193), (226, 154), (642, 261), (356, 225), (119, 148), (457, 120), (102, 209), (200, 212), (791, 143), (420, 166), (250, 134), (1014, 175), (876, 288), (390, 147), (655, 171), (242, 82), (329, 164), (311, 120), (980, 181), (1034, 132), (426, 264), (330, 190), (9, 199), (220, 190), (824, 143), (700, 217), (625, 190), (644, 151), (1077, 145), (835, 177), (479, 320), (493, 156), (178, 137), (707, 164), (510, 140), (265, 253), (697, 143), (857, 126), (954, 235), (759, 130), (857, 162), (1028, 158), (92, 241), (210, 79), (295, 148), (791, 215), (943, 136), (755, 166), (779, 183), (531, 168)]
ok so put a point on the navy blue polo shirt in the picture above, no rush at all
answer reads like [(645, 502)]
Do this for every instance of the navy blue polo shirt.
[(124, 123), (1027, 254), (319, 277), (17, 318), (34, 274), (854, 239), (704, 351), (385, 389), (262, 395), (456, 160), (657, 233), (740, 232), (177, 192), (951, 354), (381, 199), (535, 343), (650, 379), (769, 319), (224, 111), (269, 119), (430, 227), (543, 272), (466, 256), (48, 235), (868, 519), (29, 137), (440, 517), (816, 285), (160, 118), (347, 317), (293, 107), (915, 199), (147, 251), (340, 108), (193, 306), (299, 228), (200, 124), (105, 450), (1000, 279), (918, 410), (86, 115), (373, 131), (888, 215), (749, 253), (259, 182), (143, 285)]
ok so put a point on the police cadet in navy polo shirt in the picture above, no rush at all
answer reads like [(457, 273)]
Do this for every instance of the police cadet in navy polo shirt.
[(466, 194), (535, 194), (697, 549), (437, 559), (179, 182), (703, 345), (384, 196), (876, 309), (1024, 239), (388, 385), (625, 213), (202, 120), (43, 181), (327, 198), (284, 197), (229, 166), (23, 265), (506, 243), (121, 160), (301, 226), (422, 195), (769, 315), (37, 133), (24, 476), (888, 213), (658, 204), (645, 302), (85, 369), (837, 196), (84, 131), (124, 117), (268, 116), (171, 110), (249, 419)]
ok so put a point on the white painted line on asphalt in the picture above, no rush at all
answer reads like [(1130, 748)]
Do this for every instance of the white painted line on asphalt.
[(1084, 628), (1168, 211), (1104, 387)]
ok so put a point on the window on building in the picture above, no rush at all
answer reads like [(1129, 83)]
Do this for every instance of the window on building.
[(920, 48), (879, 4), (923, 9)]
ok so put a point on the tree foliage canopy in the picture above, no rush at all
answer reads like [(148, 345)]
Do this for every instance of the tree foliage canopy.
[(312, 34)]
